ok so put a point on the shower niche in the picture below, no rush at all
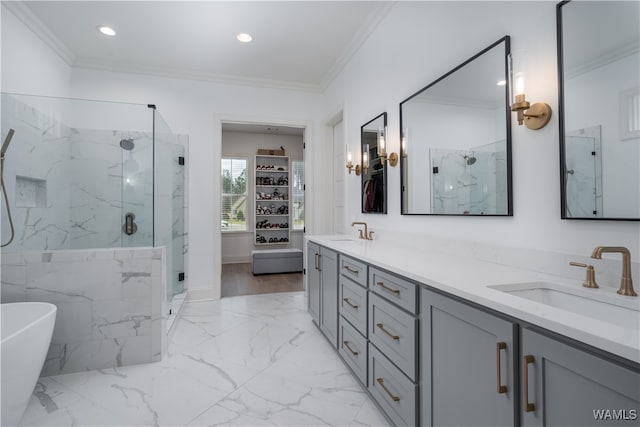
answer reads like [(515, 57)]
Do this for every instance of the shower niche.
[(31, 192)]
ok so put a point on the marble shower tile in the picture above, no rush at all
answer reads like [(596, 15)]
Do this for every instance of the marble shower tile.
[(15, 275), (81, 356), (120, 318), (73, 322)]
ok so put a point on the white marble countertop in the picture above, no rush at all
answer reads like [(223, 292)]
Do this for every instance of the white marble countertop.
[(470, 278)]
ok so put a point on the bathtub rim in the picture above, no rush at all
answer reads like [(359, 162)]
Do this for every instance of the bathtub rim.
[(51, 311)]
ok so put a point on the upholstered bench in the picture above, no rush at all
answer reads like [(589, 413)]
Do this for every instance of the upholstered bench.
[(276, 261)]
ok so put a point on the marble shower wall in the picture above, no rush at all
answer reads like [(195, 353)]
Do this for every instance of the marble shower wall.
[(460, 188), (111, 308), (69, 188), (106, 183), (37, 179)]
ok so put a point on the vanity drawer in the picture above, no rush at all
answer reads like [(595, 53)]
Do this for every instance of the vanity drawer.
[(394, 392), (394, 288), (353, 304), (393, 331), (354, 269), (353, 349)]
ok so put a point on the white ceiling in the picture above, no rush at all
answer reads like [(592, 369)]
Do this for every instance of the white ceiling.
[(296, 44)]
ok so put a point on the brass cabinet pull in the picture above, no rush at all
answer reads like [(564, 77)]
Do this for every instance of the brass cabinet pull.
[(346, 344), (500, 346), (386, 288), (352, 270), (528, 407), (381, 382), (350, 303), (381, 326)]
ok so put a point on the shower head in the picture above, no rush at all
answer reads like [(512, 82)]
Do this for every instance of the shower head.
[(127, 144), (470, 160), (5, 144)]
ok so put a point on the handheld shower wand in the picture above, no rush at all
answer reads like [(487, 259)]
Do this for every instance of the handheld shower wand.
[(6, 142), (5, 146)]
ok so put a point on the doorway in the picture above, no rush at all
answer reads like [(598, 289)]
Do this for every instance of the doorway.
[(262, 203), (334, 131)]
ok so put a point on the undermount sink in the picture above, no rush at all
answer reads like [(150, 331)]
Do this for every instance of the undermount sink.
[(342, 239), (601, 304)]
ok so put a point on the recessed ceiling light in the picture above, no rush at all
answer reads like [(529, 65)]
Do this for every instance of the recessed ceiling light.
[(107, 31), (502, 82), (244, 37)]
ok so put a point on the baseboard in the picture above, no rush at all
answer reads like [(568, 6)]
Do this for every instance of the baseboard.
[(236, 260), (201, 295)]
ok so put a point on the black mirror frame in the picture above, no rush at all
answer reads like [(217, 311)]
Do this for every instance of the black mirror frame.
[(561, 135), (507, 41), (384, 168)]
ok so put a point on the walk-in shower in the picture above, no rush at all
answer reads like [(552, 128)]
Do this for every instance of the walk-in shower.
[(583, 173), (5, 147), (96, 194)]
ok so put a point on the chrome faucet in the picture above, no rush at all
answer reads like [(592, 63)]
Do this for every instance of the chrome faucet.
[(626, 283), (368, 235)]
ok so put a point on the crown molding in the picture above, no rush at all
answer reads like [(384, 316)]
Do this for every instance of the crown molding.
[(381, 10), (184, 74), (459, 102), (21, 11), (601, 60)]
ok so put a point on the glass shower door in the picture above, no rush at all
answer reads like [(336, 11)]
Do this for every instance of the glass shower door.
[(137, 187), (178, 206), (169, 203)]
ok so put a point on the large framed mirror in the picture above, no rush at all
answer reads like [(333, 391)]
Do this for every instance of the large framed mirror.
[(599, 109), (374, 169), (456, 140)]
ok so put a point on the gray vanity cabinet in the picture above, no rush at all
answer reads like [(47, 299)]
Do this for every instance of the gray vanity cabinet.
[(322, 283), (467, 365), (329, 295), (430, 359), (313, 281), (563, 385)]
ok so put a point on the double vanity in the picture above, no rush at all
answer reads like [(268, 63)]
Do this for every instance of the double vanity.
[(440, 337)]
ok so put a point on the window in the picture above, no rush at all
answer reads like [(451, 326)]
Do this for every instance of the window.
[(297, 193), (630, 114), (234, 195)]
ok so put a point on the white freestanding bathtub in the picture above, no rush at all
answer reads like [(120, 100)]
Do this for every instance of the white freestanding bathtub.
[(26, 334)]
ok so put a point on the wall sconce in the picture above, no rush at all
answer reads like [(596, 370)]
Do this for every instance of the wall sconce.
[(403, 143), (350, 165), (382, 148), (534, 116), (365, 159)]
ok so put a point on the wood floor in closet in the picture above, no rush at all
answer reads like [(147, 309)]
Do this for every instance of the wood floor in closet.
[(237, 280)]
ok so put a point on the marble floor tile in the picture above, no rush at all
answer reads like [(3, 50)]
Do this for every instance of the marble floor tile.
[(242, 361)]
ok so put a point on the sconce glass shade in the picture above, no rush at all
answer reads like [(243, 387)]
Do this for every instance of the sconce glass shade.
[(382, 143), (403, 142), (350, 165), (365, 158), (517, 77), (534, 116)]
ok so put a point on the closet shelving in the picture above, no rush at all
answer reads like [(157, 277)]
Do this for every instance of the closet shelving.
[(272, 216)]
